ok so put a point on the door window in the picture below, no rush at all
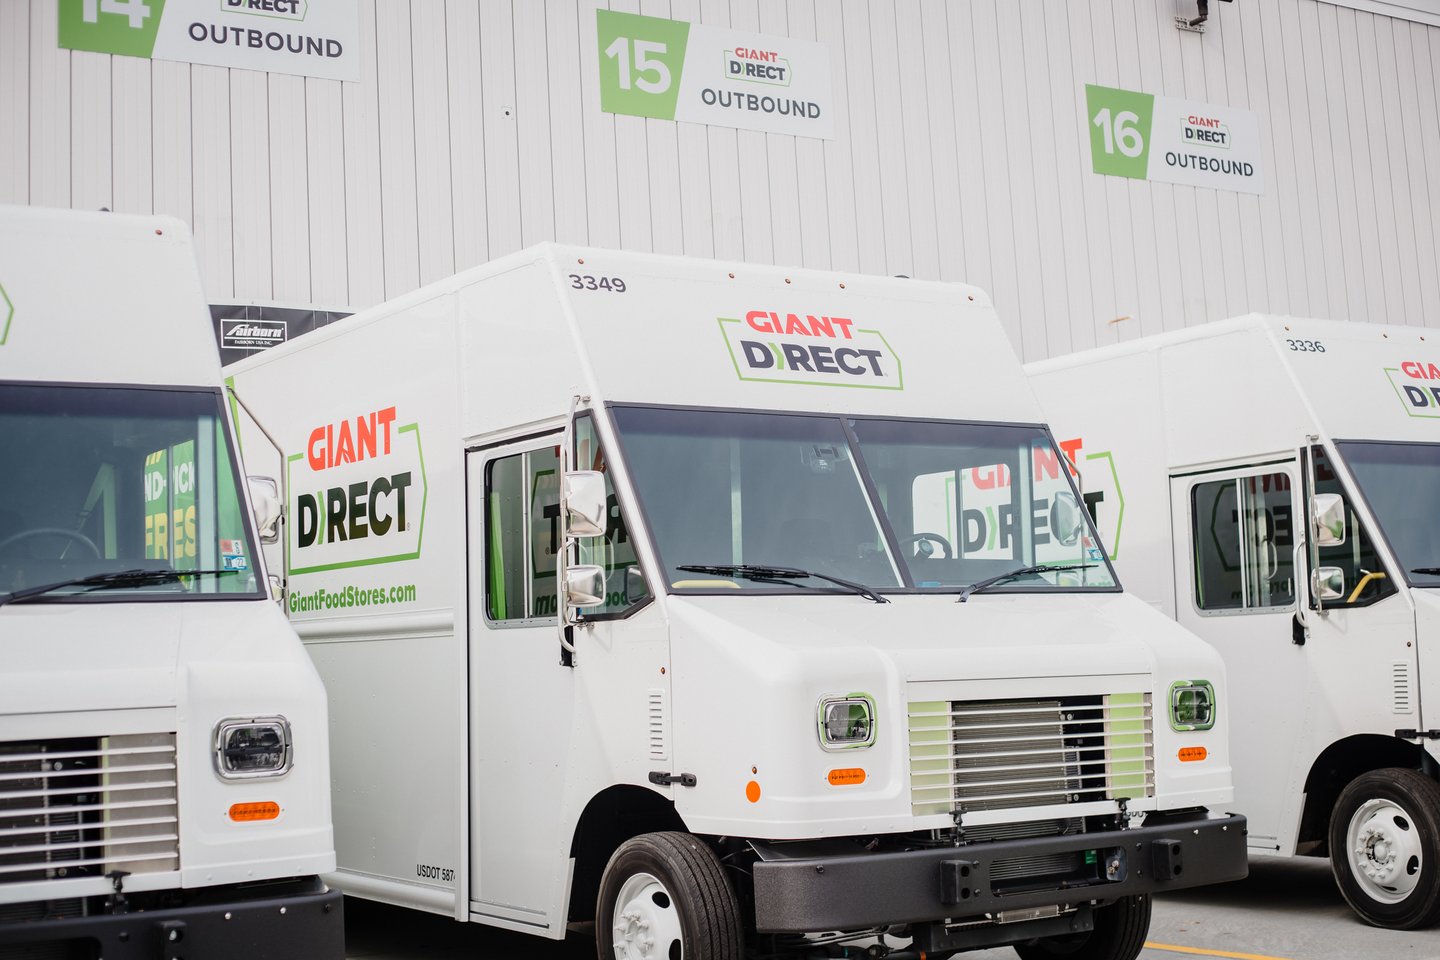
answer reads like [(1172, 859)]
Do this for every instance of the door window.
[(522, 534), (624, 585), (1243, 534), (1363, 577)]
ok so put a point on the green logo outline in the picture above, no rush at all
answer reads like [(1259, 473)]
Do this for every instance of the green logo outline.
[(899, 367), (9, 315), (789, 73), (1114, 544), (1389, 375), (304, 12), (372, 561)]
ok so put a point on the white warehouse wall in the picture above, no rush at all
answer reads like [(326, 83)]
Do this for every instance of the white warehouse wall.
[(961, 153)]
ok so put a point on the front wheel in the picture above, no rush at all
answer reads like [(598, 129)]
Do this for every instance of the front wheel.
[(1119, 934), (665, 896), (1385, 848)]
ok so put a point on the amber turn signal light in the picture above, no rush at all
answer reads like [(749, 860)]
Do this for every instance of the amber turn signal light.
[(245, 812), (1191, 754), (846, 776)]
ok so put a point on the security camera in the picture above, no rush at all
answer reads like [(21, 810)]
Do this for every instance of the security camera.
[(1203, 8)]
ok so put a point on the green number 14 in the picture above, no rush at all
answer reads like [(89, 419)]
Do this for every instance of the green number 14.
[(135, 10)]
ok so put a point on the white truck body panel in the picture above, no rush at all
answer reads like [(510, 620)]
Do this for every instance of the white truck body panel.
[(464, 754), (115, 301), (1240, 399)]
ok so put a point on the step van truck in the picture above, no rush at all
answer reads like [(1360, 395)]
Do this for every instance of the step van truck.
[(673, 597), (1273, 484), (164, 777)]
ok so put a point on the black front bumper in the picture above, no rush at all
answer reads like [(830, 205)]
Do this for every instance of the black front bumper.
[(292, 926), (854, 891)]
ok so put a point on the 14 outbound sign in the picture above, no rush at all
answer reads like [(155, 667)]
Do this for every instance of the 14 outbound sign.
[(673, 70), (1145, 137), (311, 38)]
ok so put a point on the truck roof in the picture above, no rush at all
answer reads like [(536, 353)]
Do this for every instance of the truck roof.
[(101, 298), (1353, 380), (554, 320)]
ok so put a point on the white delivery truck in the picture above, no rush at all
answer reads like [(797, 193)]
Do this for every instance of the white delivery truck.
[(1273, 484), (658, 593), (164, 777)]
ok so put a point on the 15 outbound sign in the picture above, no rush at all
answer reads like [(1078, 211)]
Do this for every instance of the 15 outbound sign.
[(1145, 137), (673, 70), (311, 38)]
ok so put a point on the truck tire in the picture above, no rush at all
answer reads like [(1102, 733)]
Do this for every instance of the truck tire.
[(1119, 934), (1385, 848), (664, 896)]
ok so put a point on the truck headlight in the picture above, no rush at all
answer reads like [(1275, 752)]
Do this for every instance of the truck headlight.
[(1192, 705), (247, 748), (847, 722)]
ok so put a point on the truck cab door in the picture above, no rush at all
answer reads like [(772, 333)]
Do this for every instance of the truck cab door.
[(1236, 535), (521, 698), (548, 733)]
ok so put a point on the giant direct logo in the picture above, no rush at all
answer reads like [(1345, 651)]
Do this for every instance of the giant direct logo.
[(359, 494), (810, 349), (1417, 384)]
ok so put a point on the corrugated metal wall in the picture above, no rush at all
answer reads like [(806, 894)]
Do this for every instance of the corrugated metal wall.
[(962, 154)]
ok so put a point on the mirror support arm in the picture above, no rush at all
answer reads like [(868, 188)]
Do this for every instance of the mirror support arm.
[(279, 450), (1311, 538), (562, 610), (564, 623)]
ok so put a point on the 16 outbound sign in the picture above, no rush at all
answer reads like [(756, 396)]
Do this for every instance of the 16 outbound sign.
[(673, 70), (311, 38), (1145, 137)]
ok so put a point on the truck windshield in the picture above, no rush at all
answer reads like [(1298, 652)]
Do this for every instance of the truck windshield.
[(895, 505), (1401, 482), (108, 490)]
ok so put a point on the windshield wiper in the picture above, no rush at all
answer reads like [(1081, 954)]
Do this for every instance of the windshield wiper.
[(1432, 571), (139, 577), (764, 574), (979, 585)]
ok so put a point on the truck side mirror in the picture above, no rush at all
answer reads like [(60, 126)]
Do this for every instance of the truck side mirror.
[(1328, 583), (1065, 521), (636, 589), (584, 585), (585, 504), (265, 498), (1328, 513)]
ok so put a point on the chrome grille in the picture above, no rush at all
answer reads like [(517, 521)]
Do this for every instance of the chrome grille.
[(85, 806), (973, 755)]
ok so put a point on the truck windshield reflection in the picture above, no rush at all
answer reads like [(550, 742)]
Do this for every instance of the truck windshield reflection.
[(895, 505)]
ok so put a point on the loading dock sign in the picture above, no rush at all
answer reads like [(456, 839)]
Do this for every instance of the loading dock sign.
[(311, 38), (674, 70), (1145, 137)]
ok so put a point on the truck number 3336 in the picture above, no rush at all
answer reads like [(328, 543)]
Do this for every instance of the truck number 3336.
[(1305, 346)]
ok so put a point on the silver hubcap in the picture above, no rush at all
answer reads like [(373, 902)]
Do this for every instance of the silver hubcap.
[(1384, 848), (645, 923)]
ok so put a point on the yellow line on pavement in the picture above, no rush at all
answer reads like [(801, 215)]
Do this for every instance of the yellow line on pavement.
[(1200, 951)]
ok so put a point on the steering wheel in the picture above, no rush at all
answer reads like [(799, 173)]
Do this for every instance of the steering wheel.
[(79, 538), (946, 552)]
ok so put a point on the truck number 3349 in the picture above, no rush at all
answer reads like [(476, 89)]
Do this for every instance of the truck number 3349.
[(587, 282)]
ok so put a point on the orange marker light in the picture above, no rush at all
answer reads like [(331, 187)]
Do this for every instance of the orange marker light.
[(846, 776), (752, 792), (1191, 754), (245, 812)]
